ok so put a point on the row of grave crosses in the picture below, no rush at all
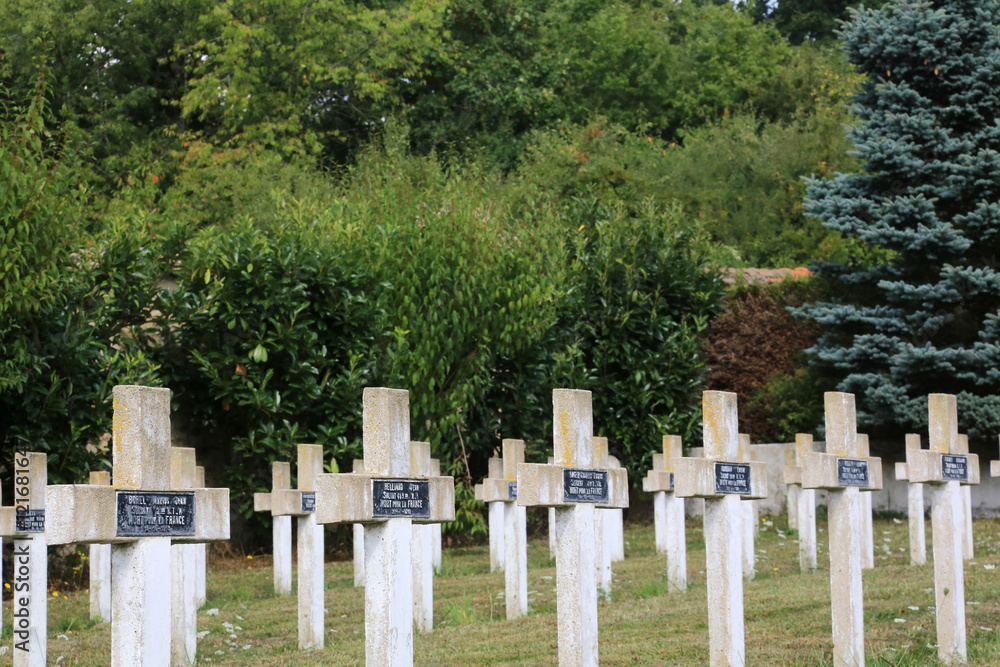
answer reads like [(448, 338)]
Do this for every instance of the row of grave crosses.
[(155, 515)]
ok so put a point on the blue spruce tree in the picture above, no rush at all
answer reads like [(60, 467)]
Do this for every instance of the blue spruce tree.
[(918, 311)]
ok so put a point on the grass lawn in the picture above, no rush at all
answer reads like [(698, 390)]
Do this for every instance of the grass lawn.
[(787, 613)]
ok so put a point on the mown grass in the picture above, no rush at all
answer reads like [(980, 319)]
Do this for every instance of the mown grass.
[(787, 612)]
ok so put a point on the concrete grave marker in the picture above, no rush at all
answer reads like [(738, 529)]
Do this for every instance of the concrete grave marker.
[(617, 522), (915, 507), (496, 518), (422, 547), (576, 489), (183, 562), (843, 472), (281, 524), (26, 522), (603, 526), (358, 531), (437, 528), (723, 481), (968, 548), (140, 515), (100, 565), (312, 605), (792, 493), (867, 525), (201, 551), (944, 469), (515, 529), (749, 517), (806, 502), (284, 502), (388, 499), (668, 512)]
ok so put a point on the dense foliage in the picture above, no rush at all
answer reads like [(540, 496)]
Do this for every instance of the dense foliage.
[(919, 313)]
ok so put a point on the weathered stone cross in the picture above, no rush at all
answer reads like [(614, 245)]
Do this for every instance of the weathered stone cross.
[(668, 512), (387, 498), (285, 502), (504, 491), (575, 489), (914, 506), (281, 524), (805, 505), (844, 473), (944, 469), (139, 515), (723, 481)]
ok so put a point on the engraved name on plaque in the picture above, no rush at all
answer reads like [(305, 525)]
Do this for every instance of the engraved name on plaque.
[(512, 490), (309, 501), (732, 478), (955, 467), (157, 513), (29, 521), (852, 473), (400, 498), (585, 486)]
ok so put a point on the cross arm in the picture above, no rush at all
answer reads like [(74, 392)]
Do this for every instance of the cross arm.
[(350, 498), (831, 471), (703, 478), (544, 485), (926, 466), (280, 502), (89, 514)]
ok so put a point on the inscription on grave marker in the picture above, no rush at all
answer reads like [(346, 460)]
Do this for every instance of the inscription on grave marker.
[(308, 501), (671, 481), (732, 478), (955, 467), (30, 521), (159, 513), (852, 473), (401, 498), (585, 486), (512, 490)]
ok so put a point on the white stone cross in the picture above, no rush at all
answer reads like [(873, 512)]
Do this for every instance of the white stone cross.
[(603, 527), (358, 542), (792, 493), (201, 551), (914, 507), (805, 509), (515, 529), (284, 502), (27, 522), (437, 529), (576, 489), (668, 512), (944, 469), (183, 574), (387, 498), (309, 535), (968, 550), (867, 525), (497, 549), (722, 480), (139, 514), (100, 565), (617, 522), (844, 473), (281, 524), (422, 548), (749, 517)]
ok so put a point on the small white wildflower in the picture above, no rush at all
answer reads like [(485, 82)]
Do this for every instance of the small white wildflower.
[(896, 521), (240, 617), (212, 612), (988, 566), (203, 634), (912, 608), (246, 647), (62, 637), (899, 620)]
